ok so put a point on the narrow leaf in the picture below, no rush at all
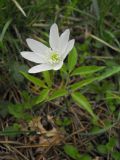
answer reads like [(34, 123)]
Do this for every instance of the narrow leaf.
[(85, 70), (72, 59), (47, 78), (100, 131), (109, 72), (34, 80), (79, 85), (43, 95), (11, 131), (82, 101), (57, 93)]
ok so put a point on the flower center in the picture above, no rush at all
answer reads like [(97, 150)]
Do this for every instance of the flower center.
[(54, 57)]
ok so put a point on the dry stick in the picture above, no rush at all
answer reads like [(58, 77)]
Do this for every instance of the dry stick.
[(32, 146), (13, 148), (10, 142)]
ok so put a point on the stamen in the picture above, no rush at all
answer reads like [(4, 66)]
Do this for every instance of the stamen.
[(54, 58)]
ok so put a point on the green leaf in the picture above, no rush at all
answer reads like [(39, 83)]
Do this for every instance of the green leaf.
[(116, 155), (102, 149), (109, 72), (97, 131), (57, 93), (85, 157), (85, 70), (63, 69), (28, 100), (43, 95), (82, 101), (72, 151), (47, 78), (79, 85), (111, 144), (63, 122), (107, 148), (34, 80), (17, 110), (72, 59), (15, 130), (11, 131)]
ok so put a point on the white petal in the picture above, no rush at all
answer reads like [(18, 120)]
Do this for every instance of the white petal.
[(40, 68), (54, 37), (64, 40), (69, 48), (37, 47), (58, 66), (31, 56)]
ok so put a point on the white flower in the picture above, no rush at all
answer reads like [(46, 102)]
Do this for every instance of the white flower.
[(49, 58)]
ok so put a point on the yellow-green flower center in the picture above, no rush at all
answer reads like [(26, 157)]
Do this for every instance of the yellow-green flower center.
[(54, 58)]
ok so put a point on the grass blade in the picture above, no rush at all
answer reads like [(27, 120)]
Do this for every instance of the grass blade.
[(4, 29), (19, 7), (105, 43), (96, 8)]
